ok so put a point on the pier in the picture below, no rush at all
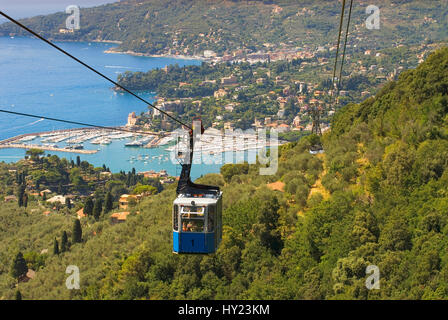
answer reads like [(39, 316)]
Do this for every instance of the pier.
[(46, 148)]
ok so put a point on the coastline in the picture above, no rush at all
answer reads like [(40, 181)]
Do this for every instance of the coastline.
[(129, 52), (139, 54)]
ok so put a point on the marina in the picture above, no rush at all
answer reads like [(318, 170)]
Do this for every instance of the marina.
[(72, 140), (87, 98)]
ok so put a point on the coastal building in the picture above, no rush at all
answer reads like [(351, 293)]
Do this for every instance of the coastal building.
[(167, 181), (282, 101), (228, 126), (125, 199), (132, 120), (209, 53), (278, 80), (166, 125), (65, 31), (257, 123), (105, 174), (281, 113), (229, 107), (220, 93), (228, 80), (57, 198), (119, 217), (173, 105), (283, 127), (80, 213), (11, 198), (208, 82), (296, 121), (365, 93)]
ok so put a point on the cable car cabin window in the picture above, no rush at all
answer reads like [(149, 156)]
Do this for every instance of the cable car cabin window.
[(190, 211), (176, 218), (211, 219), (193, 225)]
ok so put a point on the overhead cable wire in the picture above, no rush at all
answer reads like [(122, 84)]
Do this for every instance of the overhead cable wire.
[(345, 44), (74, 122), (339, 44)]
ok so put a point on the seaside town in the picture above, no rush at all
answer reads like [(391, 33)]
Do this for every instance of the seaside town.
[(273, 89), (321, 172)]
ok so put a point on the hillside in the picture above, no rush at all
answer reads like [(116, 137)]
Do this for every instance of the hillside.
[(190, 27), (384, 202)]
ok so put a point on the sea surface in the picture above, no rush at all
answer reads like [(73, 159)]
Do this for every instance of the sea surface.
[(35, 78)]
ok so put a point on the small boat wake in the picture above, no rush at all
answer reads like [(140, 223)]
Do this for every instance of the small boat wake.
[(24, 126)]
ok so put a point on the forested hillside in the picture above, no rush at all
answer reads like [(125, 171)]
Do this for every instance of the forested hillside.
[(190, 27), (379, 195)]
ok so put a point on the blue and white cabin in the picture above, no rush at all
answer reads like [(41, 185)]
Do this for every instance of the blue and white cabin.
[(197, 223)]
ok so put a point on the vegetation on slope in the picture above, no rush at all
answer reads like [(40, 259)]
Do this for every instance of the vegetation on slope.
[(386, 172), (190, 27)]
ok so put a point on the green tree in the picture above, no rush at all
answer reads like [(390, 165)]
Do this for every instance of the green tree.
[(64, 242), (109, 203), (267, 224), (55, 247), (145, 189), (20, 194), (68, 203), (25, 200), (18, 295), (19, 267), (35, 154), (88, 206), (97, 208), (77, 232)]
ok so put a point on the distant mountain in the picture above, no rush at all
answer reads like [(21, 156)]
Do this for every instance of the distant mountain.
[(190, 27)]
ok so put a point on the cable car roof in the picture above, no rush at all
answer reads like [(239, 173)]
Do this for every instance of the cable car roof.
[(206, 200)]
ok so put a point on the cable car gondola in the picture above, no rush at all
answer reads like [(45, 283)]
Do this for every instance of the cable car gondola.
[(197, 211)]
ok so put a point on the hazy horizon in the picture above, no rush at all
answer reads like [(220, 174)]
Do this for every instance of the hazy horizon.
[(28, 8)]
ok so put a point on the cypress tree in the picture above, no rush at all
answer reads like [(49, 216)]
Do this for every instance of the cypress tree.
[(78, 161), (97, 208), (55, 247), (88, 206), (77, 232), (25, 200), (64, 242), (19, 267), (20, 194), (18, 295), (68, 203), (108, 206)]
